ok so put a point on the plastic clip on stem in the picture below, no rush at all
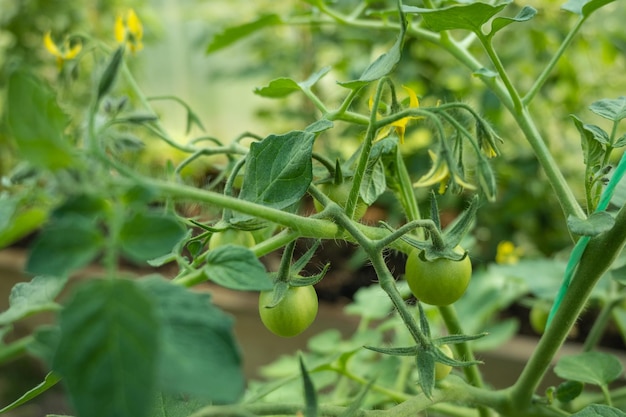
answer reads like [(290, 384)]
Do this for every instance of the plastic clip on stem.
[(580, 246)]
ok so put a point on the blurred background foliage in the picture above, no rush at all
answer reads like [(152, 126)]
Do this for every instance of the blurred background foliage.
[(219, 86)]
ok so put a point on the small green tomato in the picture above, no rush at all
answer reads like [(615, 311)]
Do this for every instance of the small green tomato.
[(293, 315)]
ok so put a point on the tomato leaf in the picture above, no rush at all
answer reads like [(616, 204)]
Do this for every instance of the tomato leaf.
[(149, 235), (595, 410), (569, 390), (199, 355), (50, 380), (282, 87), (467, 16), (233, 34), (593, 225), (36, 122), (168, 405), (110, 72), (374, 183), (108, 350), (426, 368), (310, 395), (590, 367), (53, 253), (370, 303), (612, 109), (28, 298), (585, 7), (279, 170), (237, 268), (524, 15)]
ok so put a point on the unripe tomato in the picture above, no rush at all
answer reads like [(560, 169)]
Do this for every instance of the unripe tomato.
[(293, 315), (339, 193), (441, 369), (539, 315), (232, 237), (440, 282)]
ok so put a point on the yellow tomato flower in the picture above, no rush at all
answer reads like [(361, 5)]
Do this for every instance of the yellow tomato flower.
[(129, 31), (63, 53), (439, 173), (507, 253), (399, 125)]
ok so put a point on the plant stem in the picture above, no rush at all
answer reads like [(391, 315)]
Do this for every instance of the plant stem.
[(599, 325), (598, 257), (15, 349)]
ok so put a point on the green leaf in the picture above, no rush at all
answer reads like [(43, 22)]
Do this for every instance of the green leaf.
[(593, 225), (146, 236), (374, 183), (466, 16), (279, 170), (524, 15), (19, 224), (50, 380), (237, 268), (371, 303), (619, 315), (585, 7), (89, 206), (199, 353), (168, 405), (590, 367), (46, 343), (310, 395), (233, 34), (110, 72), (108, 351), (278, 88), (36, 122), (620, 142), (568, 391), (28, 298), (612, 109), (426, 368), (593, 152), (384, 64), (599, 410), (319, 126), (53, 253)]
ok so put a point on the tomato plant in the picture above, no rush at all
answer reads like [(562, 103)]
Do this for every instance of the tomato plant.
[(339, 194), (538, 315), (232, 237), (441, 369), (440, 282), (293, 314)]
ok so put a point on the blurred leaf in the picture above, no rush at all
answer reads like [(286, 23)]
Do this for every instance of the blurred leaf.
[(37, 123), (108, 351), (282, 87), (310, 395), (45, 344), (110, 72), (279, 170), (568, 390), (584, 7), (619, 315), (146, 236), (599, 410), (89, 206), (199, 353), (498, 334), (612, 109), (167, 405), (595, 224), (620, 142), (590, 367), (20, 224), (467, 16), (319, 126), (53, 253), (28, 298), (233, 34), (237, 268), (371, 303), (50, 380), (524, 15)]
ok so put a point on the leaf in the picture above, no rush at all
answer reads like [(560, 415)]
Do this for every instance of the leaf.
[(237, 268), (384, 64), (199, 353), (282, 87), (524, 15), (50, 380), (45, 344), (149, 235), (233, 34), (53, 253), (620, 142), (279, 170), (590, 367), (374, 183), (28, 298), (599, 410), (468, 16), (108, 351), (36, 122), (595, 224), (568, 391), (319, 126), (593, 151), (110, 72), (370, 303), (426, 368), (168, 405), (90, 206), (585, 7), (19, 225), (612, 109), (310, 395)]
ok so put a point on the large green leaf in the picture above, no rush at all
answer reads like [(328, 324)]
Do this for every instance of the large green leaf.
[(64, 246), (199, 354), (465, 16), (599, 410), (585, 7), (36, 122), (596, 368), (108, 350), (28, 298), (233, 34), (237, 268), (279, 170), (148, 235)]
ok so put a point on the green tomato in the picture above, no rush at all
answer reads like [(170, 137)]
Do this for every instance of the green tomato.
[(539, 315), (441, 369), (231, 237), (440, 282), (339, 193), (293, 315)]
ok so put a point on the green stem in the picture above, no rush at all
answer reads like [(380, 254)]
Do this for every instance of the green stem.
[(599, 325), (598, 256), (15, 349), (495, 59)]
